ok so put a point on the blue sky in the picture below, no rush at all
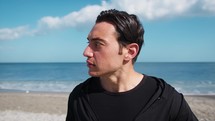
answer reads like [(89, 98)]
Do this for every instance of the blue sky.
[(56, 30)]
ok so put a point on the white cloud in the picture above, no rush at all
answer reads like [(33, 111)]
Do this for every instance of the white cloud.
[(73, 19), (209, 5), (13, 33), (145, 9), (155, 9)]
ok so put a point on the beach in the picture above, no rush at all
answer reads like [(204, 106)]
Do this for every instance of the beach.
[(28, 106), (33, 106)]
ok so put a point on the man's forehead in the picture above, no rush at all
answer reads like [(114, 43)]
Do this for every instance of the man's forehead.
[(102, 29), (96, 38), (104, 26)]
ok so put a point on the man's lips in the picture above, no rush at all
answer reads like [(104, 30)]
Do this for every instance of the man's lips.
[(90, 64)]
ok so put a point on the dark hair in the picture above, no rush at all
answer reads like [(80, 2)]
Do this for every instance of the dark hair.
[(128, 26)]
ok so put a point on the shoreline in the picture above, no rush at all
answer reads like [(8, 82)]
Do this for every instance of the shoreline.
[(65, 92), (20, 105)]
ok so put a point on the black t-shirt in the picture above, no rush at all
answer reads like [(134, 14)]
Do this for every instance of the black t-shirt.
[(124, 106)]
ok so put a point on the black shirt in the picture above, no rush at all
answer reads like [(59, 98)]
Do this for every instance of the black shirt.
[(152, 100), (123, 106)]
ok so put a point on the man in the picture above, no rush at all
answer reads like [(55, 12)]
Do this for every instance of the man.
[(115, 91)]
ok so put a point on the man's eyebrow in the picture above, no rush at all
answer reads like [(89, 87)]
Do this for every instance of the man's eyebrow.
[(95, 39)]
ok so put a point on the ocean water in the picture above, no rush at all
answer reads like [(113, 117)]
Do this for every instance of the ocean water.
[(188, 78)]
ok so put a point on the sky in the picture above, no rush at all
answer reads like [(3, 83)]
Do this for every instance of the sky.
[(56, 30)]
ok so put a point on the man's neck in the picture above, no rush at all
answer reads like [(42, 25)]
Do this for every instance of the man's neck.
[(121, 82)]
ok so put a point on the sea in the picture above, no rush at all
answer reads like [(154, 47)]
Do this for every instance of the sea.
[(189, 78)]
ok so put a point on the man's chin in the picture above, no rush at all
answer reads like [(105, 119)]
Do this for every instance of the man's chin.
[(93, 74)]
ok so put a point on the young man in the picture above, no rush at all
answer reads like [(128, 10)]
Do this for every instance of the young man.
[(116, 92)]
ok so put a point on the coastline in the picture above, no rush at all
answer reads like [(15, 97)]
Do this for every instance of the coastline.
[(51, 106)]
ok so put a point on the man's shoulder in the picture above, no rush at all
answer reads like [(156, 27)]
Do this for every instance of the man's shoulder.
[(169, 101), (159, 81), (82, 87), (167, 89)]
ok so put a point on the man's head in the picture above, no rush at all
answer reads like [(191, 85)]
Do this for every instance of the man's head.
[(114, 43), (128, 27)]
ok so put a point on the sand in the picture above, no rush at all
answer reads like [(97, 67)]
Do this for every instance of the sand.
[(33, 106), (53, 106)]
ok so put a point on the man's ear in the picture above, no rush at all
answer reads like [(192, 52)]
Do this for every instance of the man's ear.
[(132, 50)]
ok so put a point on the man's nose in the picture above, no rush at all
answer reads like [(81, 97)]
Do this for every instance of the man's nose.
[(88, 52)]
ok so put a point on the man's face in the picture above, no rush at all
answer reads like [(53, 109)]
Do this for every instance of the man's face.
[(102, 52)]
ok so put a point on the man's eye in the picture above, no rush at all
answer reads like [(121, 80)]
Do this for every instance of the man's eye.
[(97, 43)]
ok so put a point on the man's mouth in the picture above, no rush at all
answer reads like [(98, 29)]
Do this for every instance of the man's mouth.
[(90, 64)]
